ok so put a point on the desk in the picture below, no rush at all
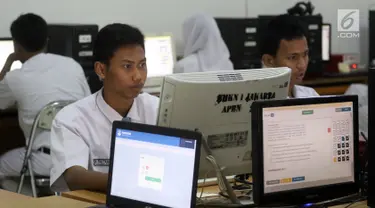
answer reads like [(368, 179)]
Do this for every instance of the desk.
[(86, 196), (10, 199), (11, 134), (99, 198), (58, 202), (334, 85)]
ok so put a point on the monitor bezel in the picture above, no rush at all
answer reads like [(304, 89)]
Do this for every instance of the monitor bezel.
[(306, 195), (193, 135), (329, 44)]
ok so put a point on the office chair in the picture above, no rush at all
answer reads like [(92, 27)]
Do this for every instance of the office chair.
[(42, 121)]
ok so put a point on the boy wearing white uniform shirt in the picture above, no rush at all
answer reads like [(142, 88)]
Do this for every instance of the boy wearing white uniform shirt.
[(284, 44), (43, 78), (81, 132)]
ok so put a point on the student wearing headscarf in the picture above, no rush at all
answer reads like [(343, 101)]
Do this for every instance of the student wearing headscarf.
[(205, 49)]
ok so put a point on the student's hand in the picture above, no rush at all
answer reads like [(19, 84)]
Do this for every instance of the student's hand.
[(8, 64)]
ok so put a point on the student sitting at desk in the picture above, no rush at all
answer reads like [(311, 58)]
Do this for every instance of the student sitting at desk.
[(43, 78), (205, 49), (285, 45), (81, 132)]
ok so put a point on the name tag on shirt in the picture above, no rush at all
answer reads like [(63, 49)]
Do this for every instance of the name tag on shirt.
[(101, 162)]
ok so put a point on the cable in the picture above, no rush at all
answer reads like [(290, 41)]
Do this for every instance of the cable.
[(202, 189), (363, 135)]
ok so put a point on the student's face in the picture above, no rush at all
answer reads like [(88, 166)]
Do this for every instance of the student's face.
[(127, 72), (293, 54)]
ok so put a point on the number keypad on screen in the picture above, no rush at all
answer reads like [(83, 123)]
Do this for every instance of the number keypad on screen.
[(341, 141)]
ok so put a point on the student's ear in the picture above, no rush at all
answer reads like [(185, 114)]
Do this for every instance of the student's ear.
[(100, 70), (268, 60)]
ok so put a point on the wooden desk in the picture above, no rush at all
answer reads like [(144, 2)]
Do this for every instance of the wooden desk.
[(6, 196), (86, 196), (334, 85), (10, 199), (58, 202), (11, 134), (99, 198)]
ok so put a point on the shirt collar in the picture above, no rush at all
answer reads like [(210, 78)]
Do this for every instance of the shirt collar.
[(113, 115), (35, 59)]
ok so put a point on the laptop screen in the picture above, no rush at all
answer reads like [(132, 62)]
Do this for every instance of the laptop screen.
[(307, 146), (152, 168)]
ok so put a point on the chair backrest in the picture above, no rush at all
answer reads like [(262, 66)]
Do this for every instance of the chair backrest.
[(48, 113), (45, 117)]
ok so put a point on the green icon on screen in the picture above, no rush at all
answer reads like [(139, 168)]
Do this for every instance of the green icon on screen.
[(157, 180), (307, 112)]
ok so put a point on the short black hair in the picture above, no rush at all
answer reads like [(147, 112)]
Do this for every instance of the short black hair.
[(282, 27), (112, 37), (30, 31)]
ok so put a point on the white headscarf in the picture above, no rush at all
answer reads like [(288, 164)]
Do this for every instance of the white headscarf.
[(205, 49)]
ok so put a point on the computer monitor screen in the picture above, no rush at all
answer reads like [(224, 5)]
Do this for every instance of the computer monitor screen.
[(153, 168), (218, 104), (160, 56), (307, 145), (306, 149), (6, 48), (326, 42)]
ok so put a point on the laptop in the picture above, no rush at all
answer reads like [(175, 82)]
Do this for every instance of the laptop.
[(152, 166)]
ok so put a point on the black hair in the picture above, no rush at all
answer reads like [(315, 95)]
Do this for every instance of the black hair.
[(283, 27), (30, 31), (112, 37)]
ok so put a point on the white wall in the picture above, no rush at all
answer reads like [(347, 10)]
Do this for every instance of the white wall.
[(151, 16), (160, 16)]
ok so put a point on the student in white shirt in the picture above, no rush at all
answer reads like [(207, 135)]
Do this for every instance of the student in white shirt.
[(81, 132), (205, 49), (43, 78), (362, 91), (284, 44)]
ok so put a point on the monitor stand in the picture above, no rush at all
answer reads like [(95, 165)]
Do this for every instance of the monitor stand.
[(223, 183)]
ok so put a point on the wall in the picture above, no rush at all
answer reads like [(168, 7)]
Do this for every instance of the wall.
[(160, 16)]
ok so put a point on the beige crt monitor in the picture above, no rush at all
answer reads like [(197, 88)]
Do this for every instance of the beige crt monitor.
[(218, 105), (160, 61)]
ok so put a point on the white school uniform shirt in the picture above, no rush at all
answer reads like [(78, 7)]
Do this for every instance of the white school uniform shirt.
[(81, 133), (205, 49), (362, 91), (304, 92), (42, 79)]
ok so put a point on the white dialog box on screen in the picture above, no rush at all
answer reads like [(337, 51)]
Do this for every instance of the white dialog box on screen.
[(151, 172)]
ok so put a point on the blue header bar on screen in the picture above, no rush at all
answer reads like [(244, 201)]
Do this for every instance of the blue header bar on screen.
[(155, 138)]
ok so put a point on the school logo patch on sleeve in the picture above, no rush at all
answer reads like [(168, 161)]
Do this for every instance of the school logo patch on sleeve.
[(101, 162)]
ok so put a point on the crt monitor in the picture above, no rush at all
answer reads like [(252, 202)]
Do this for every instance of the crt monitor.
[(326, 42), (218, 104), (6, 48), (305, 150), (160, 59)]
